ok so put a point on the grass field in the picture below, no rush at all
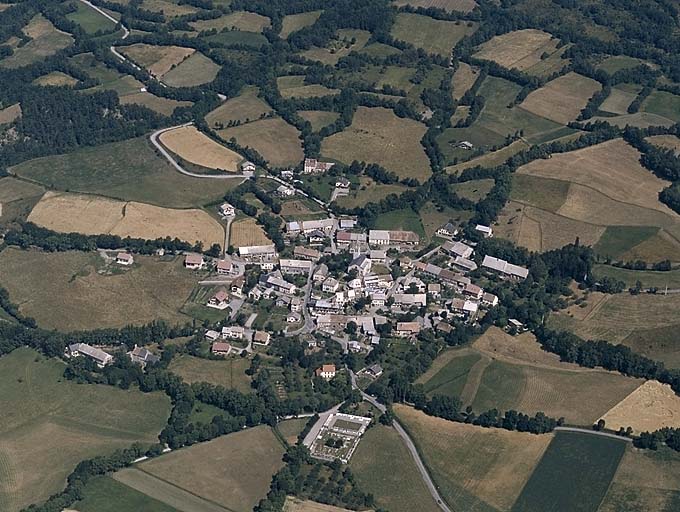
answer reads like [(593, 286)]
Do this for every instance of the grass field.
[(368, 191), (109, 79), (291, 429), (277, 141), (50, 424), (247, 232), (244, 107), (447, 5), (406, 220), (663, 104), (433, 36), (239, 20), (294, 87), (230, 373), (55, 79), (196, 147), (170, 9), (318, 118), (17, 199), (296, 505), (463, 79), (158, 60), (648, 278), (574, 474), (128, 170), (10, 114), (491, 159), (618, 101), (66, 290), (561, 100), (339, 47), (376, 135), (294, 22), (45, 40), (474, 190), (90, 20), (104, 494), (233, 471), (637, 120), (380, 451), (164, 106), (92, 215), (476, 469), (616, 63), (666, 141), (196, 70)]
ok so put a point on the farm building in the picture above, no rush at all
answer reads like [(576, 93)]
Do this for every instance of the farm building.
[(503, 267), (248, 166), (97, 355), (220, 348), (464, 264), (284, 191), (486, 231), (142, 356), (382, 237), (407, 329), (309, 226), (458, 249), (326, 371), (314, 166), (448, 229), (342, 182), (345, 238), (227, 210), (305, 253), (295, 266), (124, 258), (257, 253), (410, 299), (194, 261)]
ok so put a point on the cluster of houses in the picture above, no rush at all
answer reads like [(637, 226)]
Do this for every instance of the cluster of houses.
[(221, 347), (138, 355)]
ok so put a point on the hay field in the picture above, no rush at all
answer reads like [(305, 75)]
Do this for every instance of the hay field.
[(75, 290), (463, 79), (650, 407), (49, 424), (240, 20), (244, 107), (55, 79), (164, 106), (233, 471), (318, 118), (46, 40), (380, 451), (475, 468), (17, 199), (195, 147), (561, 100), (90, 21), (666, 141), (10, 114), (92, 215), (291, 429), (433, 36), (447, 5), (520, 49), (377, 135), (663, 103), (169, 8), (104, 494), (618, 101), (294, 87), (638, 120), (296, 505), (245, 233), (474, 190), (229, 373), (368, 191), (294, 22), (277, 141), (196, 70), (491, 159), (158, 60), (338, 48)]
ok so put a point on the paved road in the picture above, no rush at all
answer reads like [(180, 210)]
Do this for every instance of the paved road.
[(411, 448), (593, 432)]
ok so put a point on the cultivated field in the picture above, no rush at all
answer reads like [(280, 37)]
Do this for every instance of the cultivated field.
[(616, 63), (294, 22), (158, 60), (240, 20), (561, 100), (92, 215), (10, 114), (318, 118), (463, 79), (245, 107), (128, 170), (76, 290), (195, 147), (164, 106), (45, 40), (294, 87), (376, 135), (447, 5), (434, 36), (637, 120), (474, 190), (475, 468), (521, 49), (247, 232), (233, 471), (380, 451), (49, 424), (196, 70), (277, 141), (230, 373), (104, 494)]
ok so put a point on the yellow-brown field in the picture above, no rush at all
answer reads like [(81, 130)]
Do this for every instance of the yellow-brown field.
[(9, 114), (93, 215), (294, 22), (241, 20), (447, 5), (490, 159), (244, 108), (520, 49), (297, 505), (158, 60), (650, 407), (294, 87), (561, 100), (618, 101), (433, 36), (248, 232), (463, 79), (165, 106), (666, 141), (56, 79), (637, 120), (195, 147)]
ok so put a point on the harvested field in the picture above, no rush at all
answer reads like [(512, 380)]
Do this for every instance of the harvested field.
[(277, 141), (245, 233), (475, 468), (463, 79), (230, 372), (637, 120), (195, 147), (294, 22), (240, 20), (561, 100), (377, 135), (294, 87), (544, 193), (520, 49), (76, 290), (55, 79), (10, 114), (318, 118), (17, 199), (433, 36), (447, 5), (618, 101), (650, 407), (158, 60), (296, 505), (233, 471), (666, 141), (196, 70), (92, 215), (244, 108), (45, 40), (164, 106)]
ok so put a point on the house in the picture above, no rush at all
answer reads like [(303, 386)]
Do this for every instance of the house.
[(410, 299), (407, 329), (193, 261), (473, 291), (304, 253), (489, 300), (464, 308), (258, 253), (448, 229), (377, 256), (234, 332), (316, 237), (362, 264), (342, 182), (142, 356), (515, 324), (295, 266), (314, 166), (256, 293), (327, 371), (282, 301), (345, 238), (124, 258), (330, 285), (413, 285), (347, 223), (219, 301), (506, 269), (295, 304), (454, 279), (458, 249), (378, 299), (444, 327), (261, 338), (220, 348), (467, 145), (237, 286), (405, 263), (293, 318), (403, 238), (227, 210), (464, 264), (326, 307), (225, 267), (434, 290), (374, 281), (284, 191), (321, 274), (287, 174), (486, 231), (325, 225), (378, 237), (375, 370), (277, 283), (248, 166), (211, 335), (97, 355), (353, 346)]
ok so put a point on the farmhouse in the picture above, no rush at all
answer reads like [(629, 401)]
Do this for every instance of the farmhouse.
[(258, 253), (237, 286), (407, 329), (347, 223), (327, 371), (489, 300), (295, 266), (227, 210), (321, 274), (219, 301), (382, 237), (486, 231), (506, 269), (378, 299), (473, 291), (304, 253), (377, 256), (458, 249), (362, 264), (464, 308), (316, 237), (220, 348), (193, 261), (124, 258), (225, 267), (142, 356), (454, 279), (308, 226), (342, 182), (284, 191), (448, 229), (248, 166), (378, 237), (464, 264), (314, 166), (278, 283), (410, 299), (261, 338), (345, 238), (97, 355), (234, 332), (434, 290), (330, 285), (467, 145)]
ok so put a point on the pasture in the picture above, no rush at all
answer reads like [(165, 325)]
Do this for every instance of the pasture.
[(104, 494), (294, 22), (195, 70), (380, 451), (377, 135), (169, 8), (474, 190), (243, 108), (474, 468), (17, 199), (447, 5), (297, 505), (109, 78), (10, 114), (45, 40), (158, 60), (294, 87), (637, 120), (368, 192), (233, 471), (562, 99), (291, 429), (433, 36), (318, 118), (666, 141), (339, 47), (92, 215), (129, 170), (55, 79), (49, 424), (648, 278), (164, 106), (400, 220), (277, 141), (247, 232), (199, 149), (491, 159), (574, 474), (663, 104), (76, 290), (618, 101), (615, 63), (230, 372), (90, 20), (239, 20), (463, 79)]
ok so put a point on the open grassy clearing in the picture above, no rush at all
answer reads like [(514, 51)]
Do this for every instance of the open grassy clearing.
[(491, 159), (294, 87), (240, 20), (561, 100), (246, 233), (158, 60), (45, 40), (616, 63), (340, 47), (666, 141), (453, 377), (434, 217), (648, 278), (474, 190), (447, 5), (368, 191), (294, 22), (663, 104), (164, 106), (196, 70), (637, 120), (55, 79), (196, 147), (276, 140), (238, 37), (10, 114), (380, 50), (92, 215), (109, 79), (17, 199), (318, 118), (475, 468), (233, 471), (380, 451), (230, 373), (433, 36), (377, 135), (296, 505), (463, 79), (243, 108), (90, 20), (104, 494), (76, 290), (291, 429), (380, 76), (404, 220), (50, 424), (574, 474), (168, 8), (618, 101), (127, 170)]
